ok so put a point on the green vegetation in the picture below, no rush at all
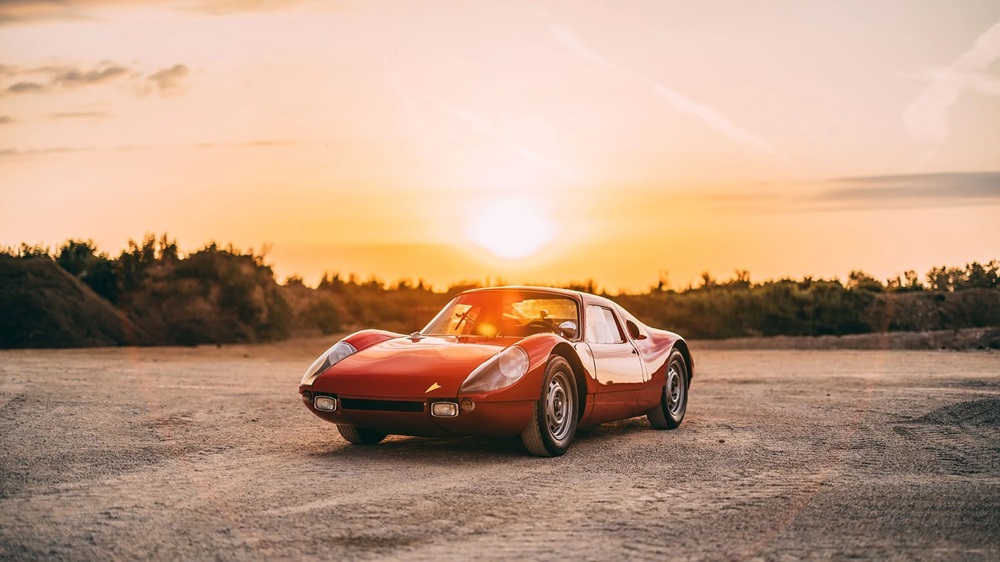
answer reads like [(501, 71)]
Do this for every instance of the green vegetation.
[(954, 298), (210, 296), (154, 294)]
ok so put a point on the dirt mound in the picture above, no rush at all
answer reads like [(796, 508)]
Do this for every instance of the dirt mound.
[(978, 413), (41, 305)]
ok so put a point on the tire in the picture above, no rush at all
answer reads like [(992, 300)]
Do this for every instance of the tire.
[(669, 413), (360, 435), (553, 423)]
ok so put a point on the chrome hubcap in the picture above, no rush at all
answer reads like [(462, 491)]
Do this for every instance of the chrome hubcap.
[(675, 389), (558, 407)]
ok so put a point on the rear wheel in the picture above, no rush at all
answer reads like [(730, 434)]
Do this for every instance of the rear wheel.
[(553, 423), (669, 413), (360, 435)]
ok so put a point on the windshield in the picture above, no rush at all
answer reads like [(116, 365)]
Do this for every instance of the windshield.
[(503, 313)]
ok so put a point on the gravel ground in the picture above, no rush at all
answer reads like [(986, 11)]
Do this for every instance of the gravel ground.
[(207, 453)]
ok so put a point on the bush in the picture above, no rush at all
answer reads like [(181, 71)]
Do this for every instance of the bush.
[(325, 316)]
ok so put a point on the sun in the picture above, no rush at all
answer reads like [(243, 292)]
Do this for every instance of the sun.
[(510, 228)]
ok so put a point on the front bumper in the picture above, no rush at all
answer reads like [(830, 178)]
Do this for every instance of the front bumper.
[(400, 416)]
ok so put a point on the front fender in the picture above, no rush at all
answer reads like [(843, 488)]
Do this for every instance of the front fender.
[(539, 348), (367, 338)]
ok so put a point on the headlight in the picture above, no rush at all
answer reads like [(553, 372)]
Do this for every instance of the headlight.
[(336, 354), (500, 371)]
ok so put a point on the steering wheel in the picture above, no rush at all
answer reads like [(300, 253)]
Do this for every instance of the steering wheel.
[(540, 325)]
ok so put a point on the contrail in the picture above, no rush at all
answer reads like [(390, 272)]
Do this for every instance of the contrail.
[(487, 129), (711, 117), (407, 105)]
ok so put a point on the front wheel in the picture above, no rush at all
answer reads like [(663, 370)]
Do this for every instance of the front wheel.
[(553, 423), (669, 413), (360, 435)]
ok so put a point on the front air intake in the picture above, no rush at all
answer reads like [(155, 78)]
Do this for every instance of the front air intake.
[(381, 405)]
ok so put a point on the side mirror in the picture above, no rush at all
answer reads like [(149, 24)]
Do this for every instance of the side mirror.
[(569, 330), (633, 330)]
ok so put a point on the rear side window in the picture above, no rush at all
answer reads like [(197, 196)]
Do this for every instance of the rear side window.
[(602, 327)]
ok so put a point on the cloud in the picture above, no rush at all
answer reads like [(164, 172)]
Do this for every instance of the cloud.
[(23, 153), (708, 115), (80, 115), (14, 152), (862, 193), (47, 78), (25, 88), (915, 189), (13, 12), (979, 81), (226, 7), (6, 120), (262, 143), (926, 118), (72, 77), (43, 79), (32, 11), (169, 79)]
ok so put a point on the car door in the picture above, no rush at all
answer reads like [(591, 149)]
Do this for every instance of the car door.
[(618, 369)]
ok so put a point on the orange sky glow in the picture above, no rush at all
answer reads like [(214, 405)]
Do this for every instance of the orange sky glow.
[(528, 142)]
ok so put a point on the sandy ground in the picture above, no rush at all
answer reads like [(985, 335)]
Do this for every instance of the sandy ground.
[(208, 454)]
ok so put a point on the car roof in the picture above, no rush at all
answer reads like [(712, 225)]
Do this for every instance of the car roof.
[(585, 298), (588, 298), (563, 292)]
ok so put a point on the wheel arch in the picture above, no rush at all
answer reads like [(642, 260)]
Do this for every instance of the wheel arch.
[(682, 346), (567, 352)]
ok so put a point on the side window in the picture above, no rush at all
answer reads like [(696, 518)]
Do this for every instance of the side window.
[(633, 326), (602, 326)]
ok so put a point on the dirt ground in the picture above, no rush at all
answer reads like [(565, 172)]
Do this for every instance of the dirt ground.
[(208, 453)]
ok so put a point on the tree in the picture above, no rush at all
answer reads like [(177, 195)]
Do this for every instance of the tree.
[(76, 255), (978, 276), (860, 281), (33, 251), (912, 281), (168, 249), (99, 272), (945, 278), (741, 281)]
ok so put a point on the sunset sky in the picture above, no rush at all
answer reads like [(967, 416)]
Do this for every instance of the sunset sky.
[(541, 142)]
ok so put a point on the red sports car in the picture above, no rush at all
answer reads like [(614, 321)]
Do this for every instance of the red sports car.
[(506, 361)]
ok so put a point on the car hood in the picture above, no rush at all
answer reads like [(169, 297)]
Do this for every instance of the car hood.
[(428, 367)]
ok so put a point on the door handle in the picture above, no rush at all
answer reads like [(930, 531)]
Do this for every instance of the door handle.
[(634, 352)]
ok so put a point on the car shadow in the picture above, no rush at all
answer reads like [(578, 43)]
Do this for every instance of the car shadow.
[(476, 449), (471, 449)]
